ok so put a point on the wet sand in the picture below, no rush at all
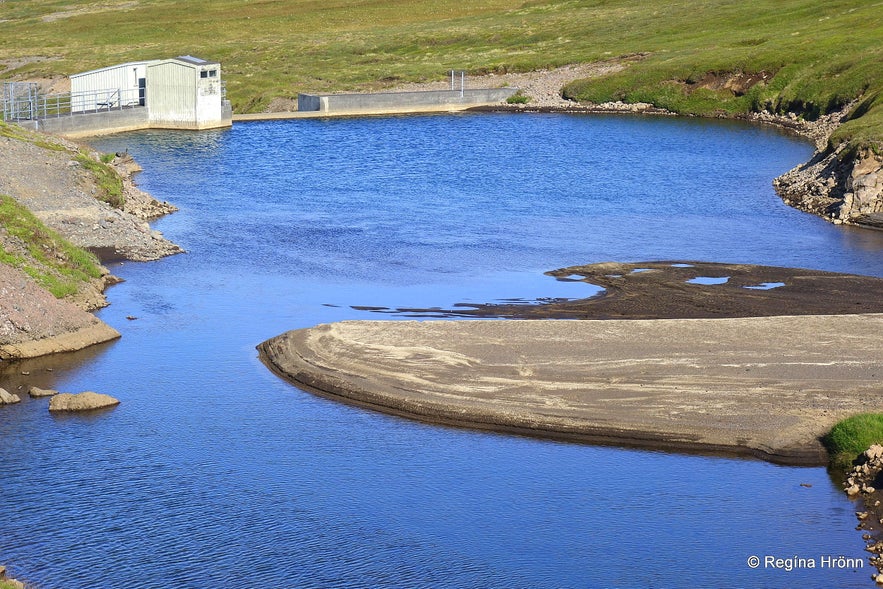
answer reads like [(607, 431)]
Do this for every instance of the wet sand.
[(683, 290), (763, 386)]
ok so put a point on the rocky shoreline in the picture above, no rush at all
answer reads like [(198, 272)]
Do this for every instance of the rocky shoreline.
[(864, 484), (51, 177)]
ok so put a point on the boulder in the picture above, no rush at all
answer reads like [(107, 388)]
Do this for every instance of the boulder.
[(86, 401), (7, 398), (38, 392)]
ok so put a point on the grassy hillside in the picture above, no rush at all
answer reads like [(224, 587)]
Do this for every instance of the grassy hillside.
[(48, 258), (27, 244), (808, 55)]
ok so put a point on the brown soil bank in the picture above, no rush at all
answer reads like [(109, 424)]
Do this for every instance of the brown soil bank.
[(768, 386), (34, 323)]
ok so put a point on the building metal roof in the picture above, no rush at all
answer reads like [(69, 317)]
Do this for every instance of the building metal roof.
[(188, 59), (195, 60)]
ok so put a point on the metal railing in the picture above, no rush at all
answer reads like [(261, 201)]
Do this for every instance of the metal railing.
[(22, 101), (19, 100)]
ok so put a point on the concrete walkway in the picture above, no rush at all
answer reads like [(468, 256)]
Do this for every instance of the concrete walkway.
[(765, 386), (368, 112)]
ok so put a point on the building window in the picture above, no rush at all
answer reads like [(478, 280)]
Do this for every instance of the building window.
[(212, 73), (203, 74)]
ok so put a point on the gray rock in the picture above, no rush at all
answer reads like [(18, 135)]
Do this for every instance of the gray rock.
[(7, 398), (38, 392), (86, 401)]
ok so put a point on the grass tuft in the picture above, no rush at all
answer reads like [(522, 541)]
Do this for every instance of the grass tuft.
[(852, 436), (109, 182), (518, 98)]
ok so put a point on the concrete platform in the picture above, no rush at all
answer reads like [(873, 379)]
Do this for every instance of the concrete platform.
[(317, 114), (761, 386)]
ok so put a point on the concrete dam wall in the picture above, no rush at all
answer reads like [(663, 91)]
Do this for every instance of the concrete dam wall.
[(392, 102)]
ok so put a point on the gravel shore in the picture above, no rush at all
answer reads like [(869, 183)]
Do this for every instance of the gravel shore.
[(43, 174)]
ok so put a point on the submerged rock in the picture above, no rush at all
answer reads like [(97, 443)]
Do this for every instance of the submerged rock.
[(86, 401)]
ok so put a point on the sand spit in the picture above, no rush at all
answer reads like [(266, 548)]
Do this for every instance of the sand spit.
[(767, 387)]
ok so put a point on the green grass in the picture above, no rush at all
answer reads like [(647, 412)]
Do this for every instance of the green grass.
[(110, 185), (21, 134), (852, 436), (817, 54), (53, 262), (518, 98)]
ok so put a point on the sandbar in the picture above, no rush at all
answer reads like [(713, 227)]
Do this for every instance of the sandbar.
[(768, 387)]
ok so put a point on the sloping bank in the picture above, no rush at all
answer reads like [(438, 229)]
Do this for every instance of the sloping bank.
[(63, 210), (768, 387)]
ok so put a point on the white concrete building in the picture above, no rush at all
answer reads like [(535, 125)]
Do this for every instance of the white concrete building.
[(185, 93)]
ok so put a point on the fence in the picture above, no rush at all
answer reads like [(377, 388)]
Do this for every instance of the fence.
[(22, 101)]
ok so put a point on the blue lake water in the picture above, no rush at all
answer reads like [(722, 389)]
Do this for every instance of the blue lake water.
[(214, 473)]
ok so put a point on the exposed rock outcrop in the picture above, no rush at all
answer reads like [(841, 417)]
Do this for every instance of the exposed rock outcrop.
[(863, 199), (840, 186), (87, 401)]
